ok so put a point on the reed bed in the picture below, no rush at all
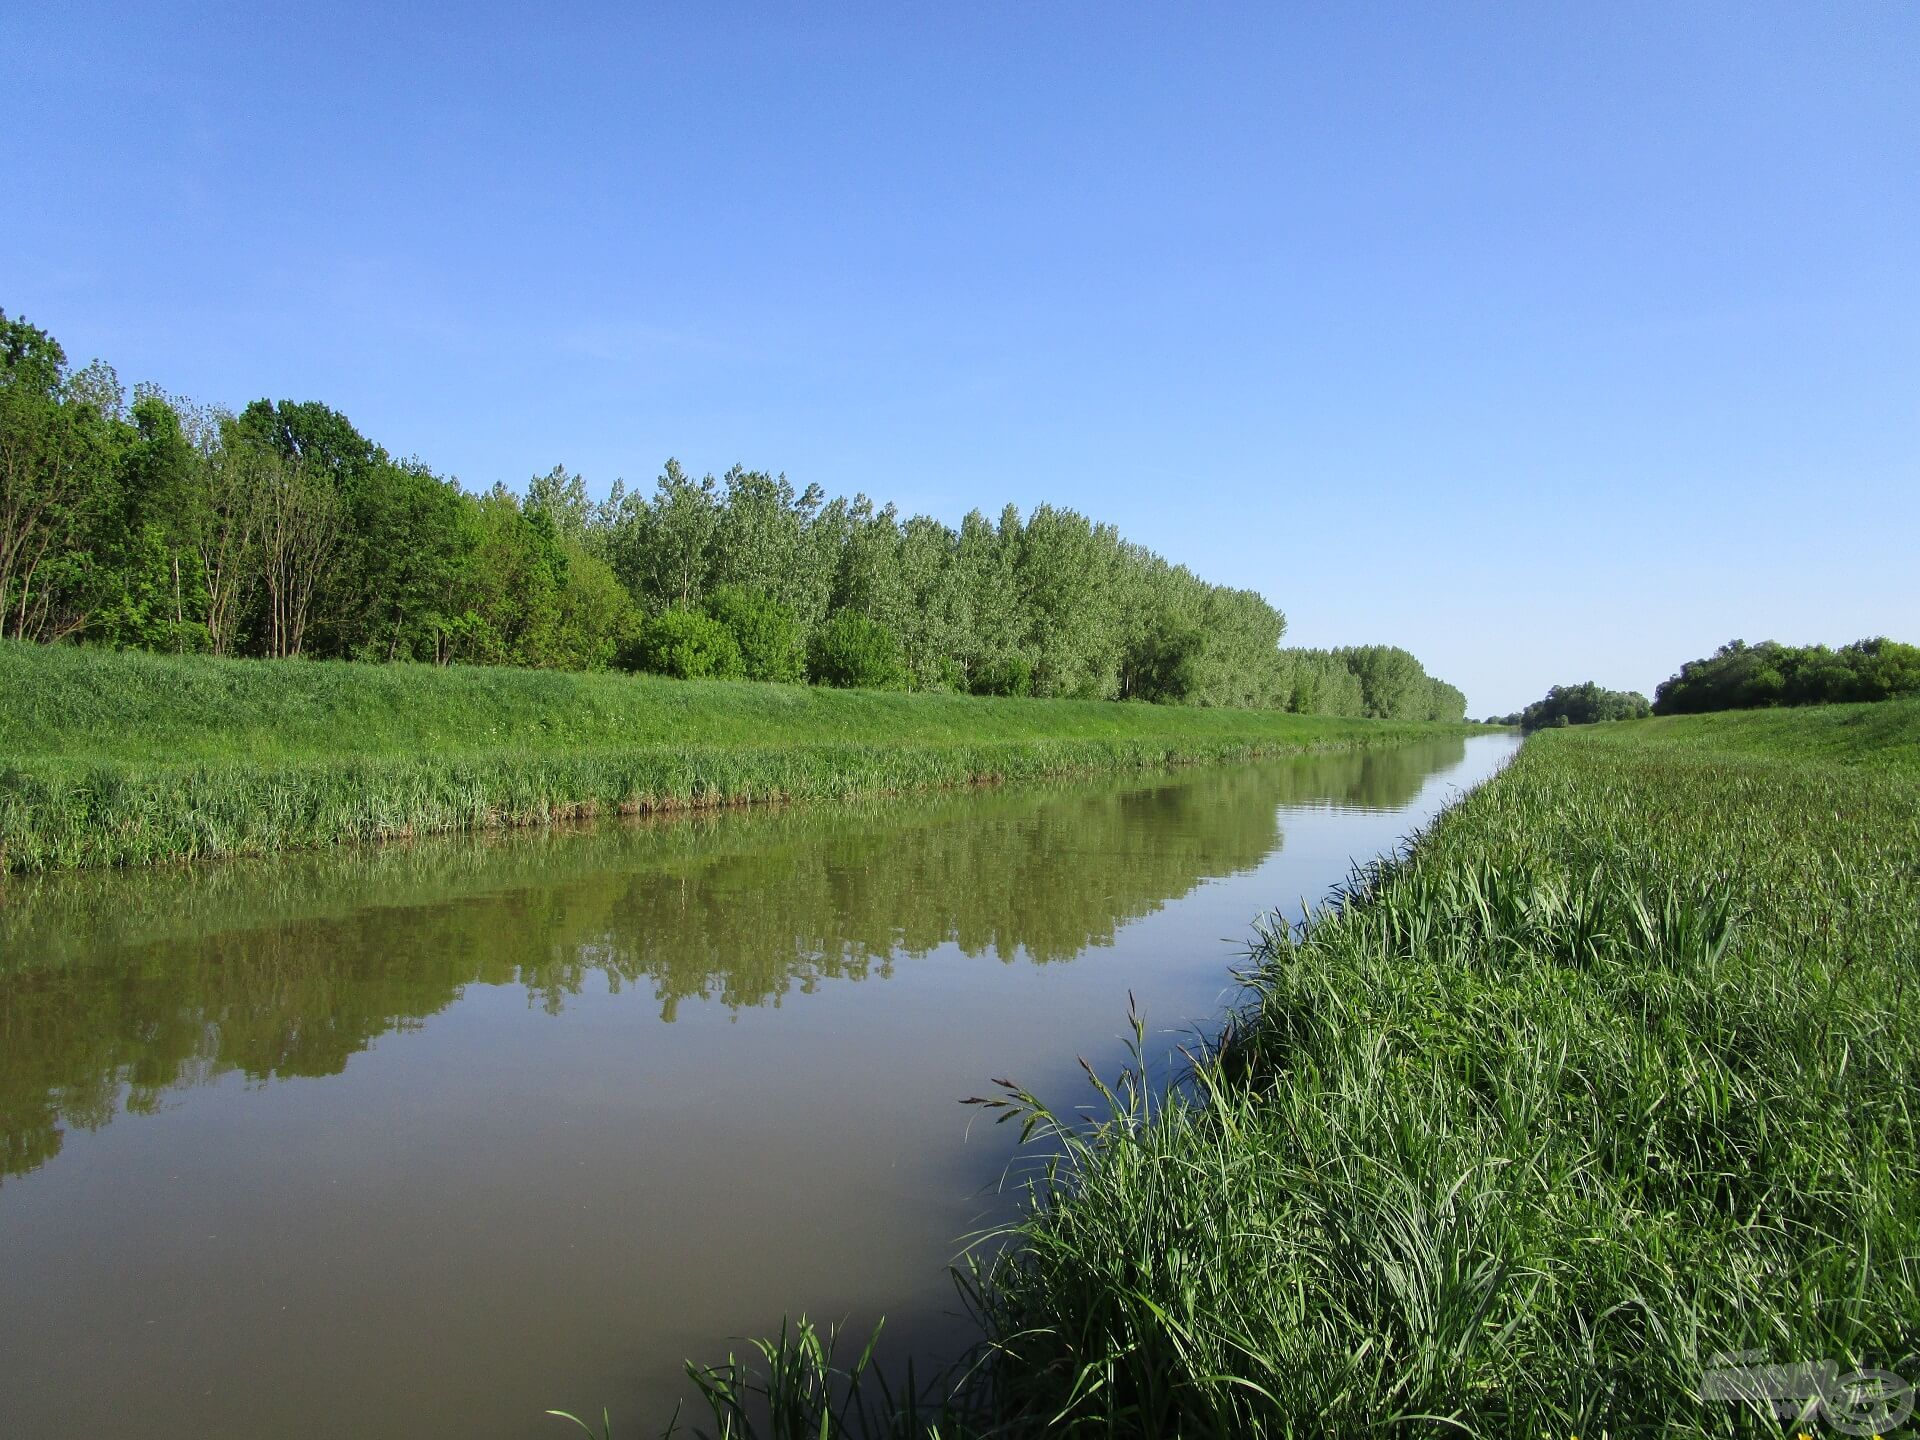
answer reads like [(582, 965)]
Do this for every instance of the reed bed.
[(112, 759), (1610, 1075)]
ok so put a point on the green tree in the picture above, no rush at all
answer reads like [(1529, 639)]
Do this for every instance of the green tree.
[(298, 519), (667, 558), (761, 543), (1739, 676), (509, 601), (1163, 663), (1392, 683), (1584, 704), (59, 434)]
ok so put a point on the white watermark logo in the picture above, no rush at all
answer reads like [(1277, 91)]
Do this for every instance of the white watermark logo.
[(1866, 1401)]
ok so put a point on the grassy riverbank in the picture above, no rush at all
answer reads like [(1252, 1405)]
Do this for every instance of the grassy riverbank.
[(1613, 1072), (121, 758)]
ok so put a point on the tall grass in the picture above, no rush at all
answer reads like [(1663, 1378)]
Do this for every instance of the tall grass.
[(122, 758), (1609, 1074)]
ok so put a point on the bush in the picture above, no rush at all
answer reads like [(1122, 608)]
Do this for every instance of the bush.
[(1010, 674), (767, 632), (686, 645), (856, 653)]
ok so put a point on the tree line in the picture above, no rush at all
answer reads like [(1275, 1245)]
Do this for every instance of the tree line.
[(1584, 704), (282, 531), (1739, 676)]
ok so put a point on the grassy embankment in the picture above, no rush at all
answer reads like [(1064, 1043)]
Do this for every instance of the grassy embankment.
[(1612, 1072), (123, 758)]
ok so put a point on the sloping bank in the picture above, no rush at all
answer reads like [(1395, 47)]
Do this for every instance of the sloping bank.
[(1612, 1074), (1606, 1081), (122, 758)]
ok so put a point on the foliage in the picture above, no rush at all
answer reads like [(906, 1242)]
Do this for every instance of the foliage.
[(1739, 676), (686, 645), (766, 631), (1585, 704), (1010, 675), (1163, 664), (283, 530), (854, 652), (1382, 681)]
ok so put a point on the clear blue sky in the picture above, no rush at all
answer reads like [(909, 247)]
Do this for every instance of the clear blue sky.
[(1553, 342)]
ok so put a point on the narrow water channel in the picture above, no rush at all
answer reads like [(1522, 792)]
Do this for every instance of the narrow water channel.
[(422, 1140)]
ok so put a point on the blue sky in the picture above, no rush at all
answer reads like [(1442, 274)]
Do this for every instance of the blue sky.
[(1553, 342)]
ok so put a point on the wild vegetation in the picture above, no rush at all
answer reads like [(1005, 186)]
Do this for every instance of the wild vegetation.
[(1739, 676), (1586, 704), (283, 531), (1608, 1075), (111, 758)]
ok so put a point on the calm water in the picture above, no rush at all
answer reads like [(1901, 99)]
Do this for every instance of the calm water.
[(423, 1140)]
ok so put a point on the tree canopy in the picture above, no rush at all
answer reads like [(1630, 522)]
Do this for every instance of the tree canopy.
[(1739, 676), (1584, 704), (282, 531)]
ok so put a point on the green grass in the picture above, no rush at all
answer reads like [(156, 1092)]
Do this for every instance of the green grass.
[(1615, 1070), (1612, 1072), (121, 758), (1883, 736)]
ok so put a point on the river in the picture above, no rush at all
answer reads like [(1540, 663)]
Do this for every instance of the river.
[(424, 1139)]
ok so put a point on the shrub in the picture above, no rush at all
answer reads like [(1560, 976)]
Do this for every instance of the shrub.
[(854, 652), (1009, 674), (767, 632), (686, 645)]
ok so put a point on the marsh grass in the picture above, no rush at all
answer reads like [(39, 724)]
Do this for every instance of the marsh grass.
[(110, 759), (1610, 1072)]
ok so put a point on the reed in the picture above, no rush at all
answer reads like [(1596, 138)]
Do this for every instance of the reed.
[(1608, 1073), (111, 759)]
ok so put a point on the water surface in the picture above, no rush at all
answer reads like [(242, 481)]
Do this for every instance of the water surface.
[(424, 1139)]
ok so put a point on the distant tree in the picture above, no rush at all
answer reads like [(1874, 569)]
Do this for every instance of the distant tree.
[(853, 652), (764, 543), (1739, 676), (673, 555), (1446, 702), (508, 599), (1393, 686), (1585, 704), (562, 497), (1065, 571), (594, 619)]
